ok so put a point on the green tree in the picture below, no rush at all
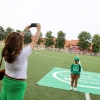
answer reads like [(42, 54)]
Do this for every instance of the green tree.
[(48, 39), (27, 37), (96, 43), (7, 31), (60, 41), (40, 39), (84, 40), (19, 31), (2, 31)]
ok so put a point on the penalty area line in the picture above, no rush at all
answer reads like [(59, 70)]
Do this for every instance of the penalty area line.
[(87, 96)]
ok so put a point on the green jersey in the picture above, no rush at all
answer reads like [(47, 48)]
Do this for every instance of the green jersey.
[(75, 69)]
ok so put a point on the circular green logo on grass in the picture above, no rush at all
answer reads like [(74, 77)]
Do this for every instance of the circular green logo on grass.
[(86, 80)]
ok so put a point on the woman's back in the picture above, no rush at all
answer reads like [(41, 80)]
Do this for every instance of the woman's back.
[(18, 69)]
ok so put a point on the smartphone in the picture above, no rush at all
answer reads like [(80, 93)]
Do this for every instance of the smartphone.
[(33, 24)]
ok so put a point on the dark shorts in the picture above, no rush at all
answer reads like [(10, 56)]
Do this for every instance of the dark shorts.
[(75, 75)]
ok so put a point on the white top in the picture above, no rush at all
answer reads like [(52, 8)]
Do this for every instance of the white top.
[(18, 69)]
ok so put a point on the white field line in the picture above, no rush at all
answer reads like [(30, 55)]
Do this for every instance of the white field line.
[(63, 58), (86, 94)]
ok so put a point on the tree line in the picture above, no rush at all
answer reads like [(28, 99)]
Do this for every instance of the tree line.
[(85, 40)]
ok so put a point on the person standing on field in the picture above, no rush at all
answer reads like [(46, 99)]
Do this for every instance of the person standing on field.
[(75, 73)]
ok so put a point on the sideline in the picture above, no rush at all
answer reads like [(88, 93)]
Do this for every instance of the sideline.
[(86, 94), (63, 58)]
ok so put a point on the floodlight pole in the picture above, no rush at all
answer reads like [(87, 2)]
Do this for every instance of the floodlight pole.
[(57, 44), (1, 34), (99, 45)]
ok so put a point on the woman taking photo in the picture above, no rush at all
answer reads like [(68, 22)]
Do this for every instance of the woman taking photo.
[(15, 60)]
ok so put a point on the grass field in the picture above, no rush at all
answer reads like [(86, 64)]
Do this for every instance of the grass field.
[(41, 62)]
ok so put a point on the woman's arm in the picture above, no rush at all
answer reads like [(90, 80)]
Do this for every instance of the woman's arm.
[(26, 28), (36, 36)]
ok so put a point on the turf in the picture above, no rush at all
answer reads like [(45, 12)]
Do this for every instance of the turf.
[(89, 82), (40, 65)]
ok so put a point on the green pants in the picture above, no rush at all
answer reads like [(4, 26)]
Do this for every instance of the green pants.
[(12, 89)]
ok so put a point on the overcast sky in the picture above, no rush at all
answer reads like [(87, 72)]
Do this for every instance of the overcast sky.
[(70, 16)]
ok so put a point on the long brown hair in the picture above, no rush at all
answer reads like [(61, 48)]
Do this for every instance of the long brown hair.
[(13, 46)]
